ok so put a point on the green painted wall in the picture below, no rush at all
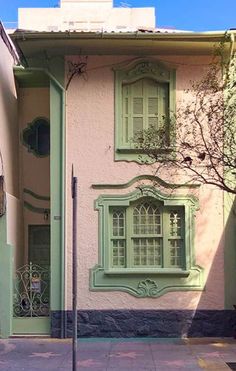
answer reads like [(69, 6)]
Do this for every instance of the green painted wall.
[(57, 192), (54, 65)]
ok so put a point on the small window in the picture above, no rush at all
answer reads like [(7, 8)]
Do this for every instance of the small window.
[(145, 99), (36, 137)]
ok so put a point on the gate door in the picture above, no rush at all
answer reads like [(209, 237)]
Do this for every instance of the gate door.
[(32, 286)]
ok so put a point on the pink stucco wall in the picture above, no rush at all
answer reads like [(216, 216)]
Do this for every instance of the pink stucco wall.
[(9, 146), (9, 126), (90, 147)]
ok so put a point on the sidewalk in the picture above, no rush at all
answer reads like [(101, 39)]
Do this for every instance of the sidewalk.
[(47, 354)]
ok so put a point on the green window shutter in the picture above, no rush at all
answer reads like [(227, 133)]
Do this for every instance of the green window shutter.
[(152, 103), (125, 114), (137, 107), (145, 105), (144, 98), (163, 107), (133, 110)]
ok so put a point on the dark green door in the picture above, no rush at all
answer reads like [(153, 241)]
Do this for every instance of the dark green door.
[(39, 245)]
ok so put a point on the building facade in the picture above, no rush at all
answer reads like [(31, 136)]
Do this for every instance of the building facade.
[(155, 255)]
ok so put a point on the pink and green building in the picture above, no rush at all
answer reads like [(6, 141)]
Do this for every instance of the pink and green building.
[(153, 259)]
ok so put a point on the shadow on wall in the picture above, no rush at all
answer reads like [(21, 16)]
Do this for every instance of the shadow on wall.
[(222, 322), (9, 140)]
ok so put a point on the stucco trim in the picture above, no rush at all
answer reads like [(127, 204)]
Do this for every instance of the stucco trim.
[(155, 179), (146, 282)]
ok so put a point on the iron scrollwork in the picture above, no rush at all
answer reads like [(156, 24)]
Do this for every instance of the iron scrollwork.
[(31, 291)]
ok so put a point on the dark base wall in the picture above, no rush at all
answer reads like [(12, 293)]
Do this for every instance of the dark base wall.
[(146, 323)]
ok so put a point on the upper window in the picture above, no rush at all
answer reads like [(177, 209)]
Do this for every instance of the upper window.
[(144, 100)]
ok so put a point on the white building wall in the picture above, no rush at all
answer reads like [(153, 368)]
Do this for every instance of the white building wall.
[(88, 15)]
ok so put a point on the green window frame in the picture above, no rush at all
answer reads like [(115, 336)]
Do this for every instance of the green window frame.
[(146, 236), (144, 99)]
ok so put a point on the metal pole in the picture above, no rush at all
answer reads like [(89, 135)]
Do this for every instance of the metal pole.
[(74, 272)]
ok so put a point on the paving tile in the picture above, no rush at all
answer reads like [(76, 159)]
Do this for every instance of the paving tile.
[(215, 364), (177, 363), (113, 355), (135, 368), (228, 356), (94, 346), (130, 346)]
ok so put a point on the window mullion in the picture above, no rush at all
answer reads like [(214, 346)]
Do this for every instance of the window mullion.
[(165, 233), (145, 105), (129, 233)]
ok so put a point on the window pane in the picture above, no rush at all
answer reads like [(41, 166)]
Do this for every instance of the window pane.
[(175, 223), (151, 87), (138, 106), (137, 88), (163, 101), (153, 106), (118, 253), (126, 130), (43, 139), (175, 253), (147, 251), (153, 122), (137, 125), (146, 219), (118, 219), (126, 107)]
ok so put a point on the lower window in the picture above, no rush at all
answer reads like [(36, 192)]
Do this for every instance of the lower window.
[(146, 243), (146, 234)]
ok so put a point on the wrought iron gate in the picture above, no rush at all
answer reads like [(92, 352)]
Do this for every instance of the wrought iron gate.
[(31, 291)]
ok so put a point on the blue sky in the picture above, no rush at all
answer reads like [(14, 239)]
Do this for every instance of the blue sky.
[(200, 15)]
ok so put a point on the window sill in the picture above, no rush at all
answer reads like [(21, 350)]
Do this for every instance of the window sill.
[(138, 155), (156, 271), (141, 151), (146, 282)]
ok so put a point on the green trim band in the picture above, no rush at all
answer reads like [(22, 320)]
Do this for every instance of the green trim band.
[(35, 195), (34, 209), (153, 178)]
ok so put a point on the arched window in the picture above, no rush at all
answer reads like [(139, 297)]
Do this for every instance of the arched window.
[(148, 234), (145, 105), (146, 243), (144, 99)]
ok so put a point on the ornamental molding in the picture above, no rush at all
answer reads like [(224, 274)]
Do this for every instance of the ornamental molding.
[(147, 288), (149, 68), (142, 286)]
